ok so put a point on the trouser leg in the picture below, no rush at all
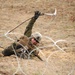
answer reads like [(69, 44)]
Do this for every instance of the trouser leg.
[(11, 49), (8, 51)]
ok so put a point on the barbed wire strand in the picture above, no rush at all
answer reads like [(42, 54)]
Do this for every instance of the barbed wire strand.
[(38, 48)]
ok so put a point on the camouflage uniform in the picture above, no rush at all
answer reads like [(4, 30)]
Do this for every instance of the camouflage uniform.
[(24, 41)]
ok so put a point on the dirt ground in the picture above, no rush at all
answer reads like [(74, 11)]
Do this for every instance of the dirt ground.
[(59, 58)]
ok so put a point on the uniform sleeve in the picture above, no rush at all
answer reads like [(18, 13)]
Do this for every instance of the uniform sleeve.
[(29, 27)]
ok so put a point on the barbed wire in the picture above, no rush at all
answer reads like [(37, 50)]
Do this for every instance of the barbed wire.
[(46, 59)]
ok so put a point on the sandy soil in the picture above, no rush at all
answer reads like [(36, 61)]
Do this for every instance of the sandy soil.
[(60, 27)]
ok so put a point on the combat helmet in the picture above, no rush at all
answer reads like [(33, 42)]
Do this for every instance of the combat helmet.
[(37, 36)]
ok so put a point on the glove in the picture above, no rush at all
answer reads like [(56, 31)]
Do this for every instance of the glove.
[(37, 14)]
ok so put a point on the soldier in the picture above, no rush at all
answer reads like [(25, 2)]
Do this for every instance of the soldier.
[(26, 43)]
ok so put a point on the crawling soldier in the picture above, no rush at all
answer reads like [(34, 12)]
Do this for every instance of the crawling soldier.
[(26, 44)]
